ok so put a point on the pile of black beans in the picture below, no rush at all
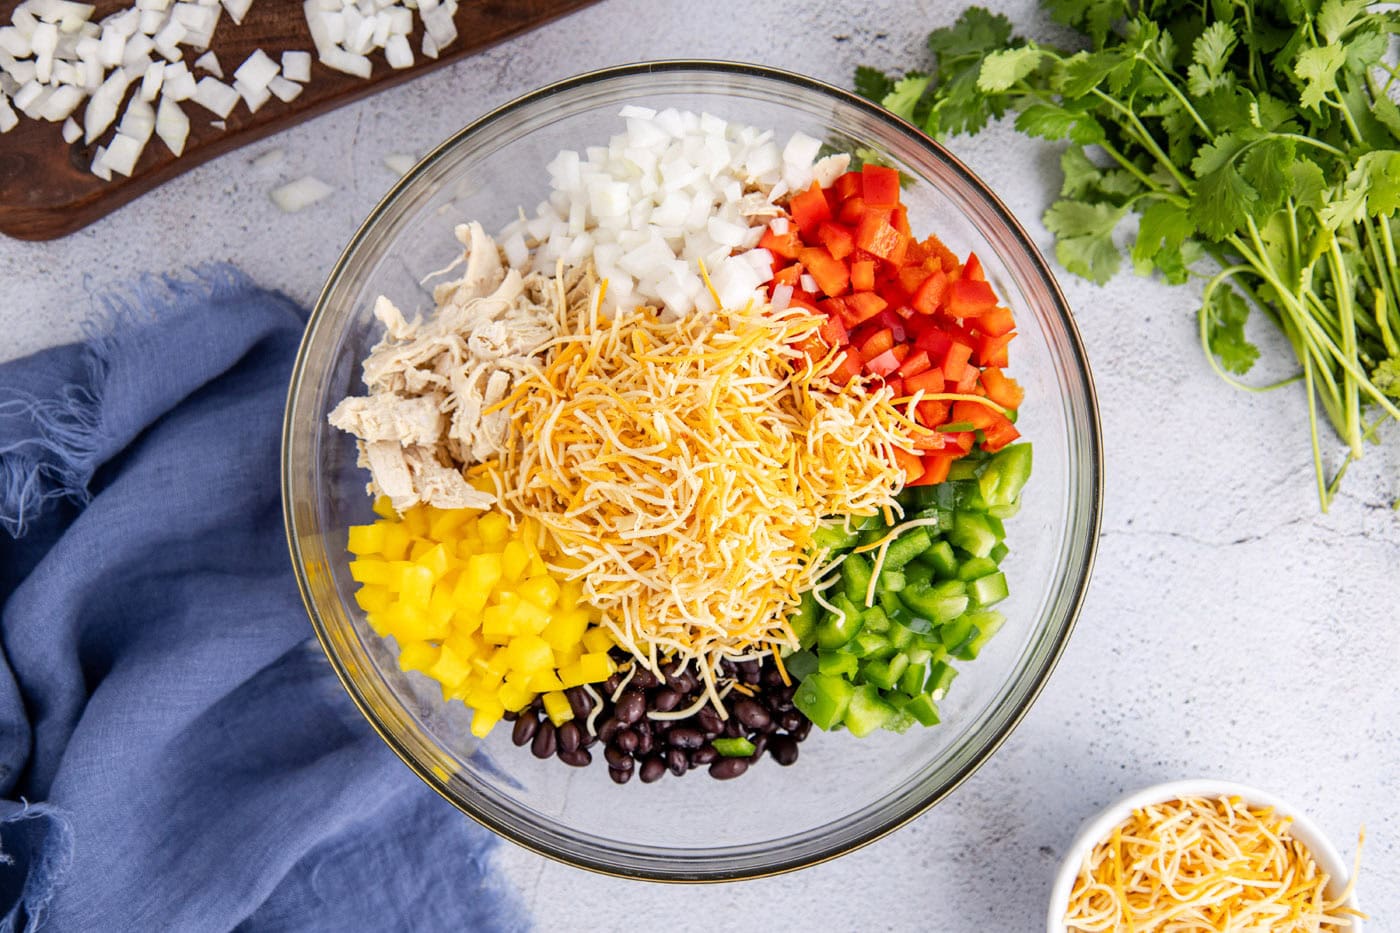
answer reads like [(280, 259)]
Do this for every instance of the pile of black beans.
[(634, 742)]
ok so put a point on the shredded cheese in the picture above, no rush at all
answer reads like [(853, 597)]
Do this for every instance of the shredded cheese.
[(1204, 865), (684, 465)]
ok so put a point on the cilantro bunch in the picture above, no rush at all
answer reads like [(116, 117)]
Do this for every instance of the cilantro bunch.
[(1256, 142)]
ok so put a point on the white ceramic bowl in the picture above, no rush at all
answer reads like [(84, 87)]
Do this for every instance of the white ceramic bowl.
[(1097, 827)]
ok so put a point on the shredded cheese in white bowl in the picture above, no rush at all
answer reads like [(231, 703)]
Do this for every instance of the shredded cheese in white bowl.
[(1203, 855)]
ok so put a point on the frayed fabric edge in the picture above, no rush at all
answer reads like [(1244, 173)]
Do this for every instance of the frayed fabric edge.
[(58, 460), (47, 867)]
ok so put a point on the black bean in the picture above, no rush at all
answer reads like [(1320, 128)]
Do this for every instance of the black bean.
[(525, 728), (578, 759), (616, 757), (790, 719), (685, 737), (771, 677), (733, 728), (510, 715), (543, 745), (726, 667), (569, 737), (652, 769), (589, 740), (643, 680), (677, 761), (608, 729), (619, 776), (725, 768), (626, 740), (760, 742), (750, 666), (703, 755), (630, 707), (783, 748), (611, 683), (751, 713), (784, 694), (665, 700), (580, 702), (801, 731), (709, 722), (645, 742)]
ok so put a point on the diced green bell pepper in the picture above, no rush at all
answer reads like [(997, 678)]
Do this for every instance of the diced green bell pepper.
[(733, 748), (866, 711), (824, 699)]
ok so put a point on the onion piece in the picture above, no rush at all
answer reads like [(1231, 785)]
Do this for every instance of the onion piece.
[(300, 194), (172, 125), (215, 96), (296, 66)]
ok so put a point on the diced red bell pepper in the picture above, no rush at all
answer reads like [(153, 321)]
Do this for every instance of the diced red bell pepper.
[(935, 341), (864, 305), (911, 464), (972, 269), (831, 274), (877, 343), (852, 210), (995, 322), (999, 435), (926, 382), (785, 245), (847, 366), (837, 239), (833, 331), (863, 275), (955, 361), (936, 467), (879, 185), (894, 322), (929, 296), (915, 363), (969, 298), (959, 442), (899, 219), (1001, 389), (813, 346), (946, 257), (788, 275), (992, 351), (882, 364), (895, 384), (849, 186), (931, 413), (876, 236), (966, 383), (808, 210), (910, 278)]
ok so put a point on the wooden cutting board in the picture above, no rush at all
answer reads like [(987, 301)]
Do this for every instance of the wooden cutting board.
[(46, 190)]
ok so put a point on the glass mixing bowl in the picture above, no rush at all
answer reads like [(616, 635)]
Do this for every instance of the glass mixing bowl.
[(842, 792)]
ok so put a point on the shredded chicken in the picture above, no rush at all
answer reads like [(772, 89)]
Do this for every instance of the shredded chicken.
[(432, 383)]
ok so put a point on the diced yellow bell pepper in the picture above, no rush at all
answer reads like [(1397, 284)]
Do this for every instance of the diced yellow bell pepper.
[(516, 697), (543, 591), (545, 681), (570, 594), (416, 585), (499, 622), (598, 639), (384, 508), (366, 539), (450, 669), (558, 708), (417, 656), (514, 560), (530, 618), (443, 523), (409, 623), (373, 598), (484, 719), (369, 570), (418, 548), (481, 575), (437, 559), (415, 521), (571, 675), (530, 653), (565, 629), (493, 527), (397, 541), (378, 623), (597, 666)]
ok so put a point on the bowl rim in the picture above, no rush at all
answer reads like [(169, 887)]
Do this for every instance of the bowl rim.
[(1094, 463), (1095, 827)]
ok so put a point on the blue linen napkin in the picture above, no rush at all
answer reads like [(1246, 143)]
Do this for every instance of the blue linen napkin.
[(175, 754)]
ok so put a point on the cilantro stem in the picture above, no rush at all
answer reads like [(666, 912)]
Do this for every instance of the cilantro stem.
[(1145, 138), (1322, 497), (1344, 290), (1218, 281), (1171, 85)]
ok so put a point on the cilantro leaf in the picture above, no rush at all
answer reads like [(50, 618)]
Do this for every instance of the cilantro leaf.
[(1383, 181), (872, 83), (1081, 175), (1162, 228), (1093, 17), (1388, 115), (1266, 168), (1217, 155), (1318, 68), (1084, 238), (1081, 73), (1336, 16), (902, 99), (1223, 200), (975, 32), (1225, 314), (1001, 70), (1210, 55), (1386, 376), (1046, 121)]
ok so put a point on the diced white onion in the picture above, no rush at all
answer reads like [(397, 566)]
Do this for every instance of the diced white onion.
[(172, 125), (296, 66), (215, 96), (300, 194)]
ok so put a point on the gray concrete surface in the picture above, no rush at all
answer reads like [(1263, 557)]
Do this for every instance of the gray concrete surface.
[(1230, 630)]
